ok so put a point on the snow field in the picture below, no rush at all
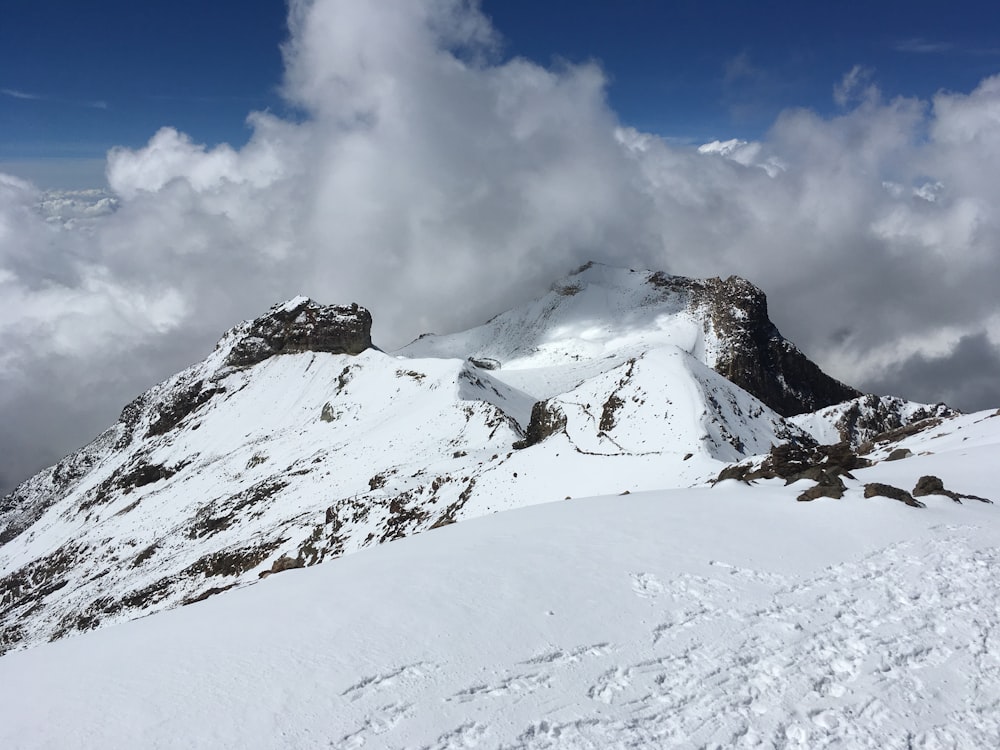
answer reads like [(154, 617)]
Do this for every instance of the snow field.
[(723, 617)]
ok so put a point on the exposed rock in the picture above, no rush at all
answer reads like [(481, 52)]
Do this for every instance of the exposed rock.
[(485, 363), (179, 405), (928, 485), (827, 485), (894, 436), (932, 485), (300, 326), (545, 421), (795, 461), (207, 593), (899, 454), (875, 489), (283, 563), (612, 405), (30, 499), (886, 418), (754, 355)]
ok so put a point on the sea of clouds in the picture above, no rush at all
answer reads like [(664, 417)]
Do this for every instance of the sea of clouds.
[(438, 183)]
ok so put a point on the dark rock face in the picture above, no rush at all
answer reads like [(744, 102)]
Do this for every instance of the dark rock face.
[(755, 356), (303, 326), (180, 404), (760, 360), (545, 421), (822, 464)]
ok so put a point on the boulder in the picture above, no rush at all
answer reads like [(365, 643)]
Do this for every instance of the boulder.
[(877, 489)]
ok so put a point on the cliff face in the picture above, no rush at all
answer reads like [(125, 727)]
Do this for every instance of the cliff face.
[(751, 351)]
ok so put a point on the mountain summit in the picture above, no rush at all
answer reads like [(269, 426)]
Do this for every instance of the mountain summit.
[(299, 325), (601, 310), (296, 440)]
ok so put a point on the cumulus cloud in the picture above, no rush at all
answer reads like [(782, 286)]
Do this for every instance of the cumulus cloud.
[(438, 184)]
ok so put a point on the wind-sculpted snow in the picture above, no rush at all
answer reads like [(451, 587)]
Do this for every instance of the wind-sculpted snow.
[(723, 617)]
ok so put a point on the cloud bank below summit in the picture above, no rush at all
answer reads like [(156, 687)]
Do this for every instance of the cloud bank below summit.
[(438, 183)]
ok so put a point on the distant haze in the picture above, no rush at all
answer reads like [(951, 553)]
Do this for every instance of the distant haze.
[(438, 184)]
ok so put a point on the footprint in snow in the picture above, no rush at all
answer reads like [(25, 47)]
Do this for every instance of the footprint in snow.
[(646, 585)]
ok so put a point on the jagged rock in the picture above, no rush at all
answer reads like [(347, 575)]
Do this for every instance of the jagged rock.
[(754, 354), (827, 485), (545, 420), (302, 325), (795, 461), (179, 405), (874, 489), (738, 472), (871, 419), (897, 434), (932, 485)]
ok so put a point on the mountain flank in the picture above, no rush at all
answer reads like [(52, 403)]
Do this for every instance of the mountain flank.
[(297, 441)]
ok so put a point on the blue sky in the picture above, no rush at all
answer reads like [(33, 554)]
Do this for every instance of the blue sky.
[(77, 78), (439, 194)]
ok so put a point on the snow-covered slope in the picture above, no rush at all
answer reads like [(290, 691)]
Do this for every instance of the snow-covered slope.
[(860, 420), (599, 316), (297, 441), (729, 616)]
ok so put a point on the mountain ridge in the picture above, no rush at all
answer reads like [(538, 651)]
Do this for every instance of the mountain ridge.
[(297, 440)]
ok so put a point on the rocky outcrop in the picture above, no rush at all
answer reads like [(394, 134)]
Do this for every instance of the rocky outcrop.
[(877, 489), (302, 325), (932, 485), (545, 420), (887, 418), (822, 464), (753, 354)]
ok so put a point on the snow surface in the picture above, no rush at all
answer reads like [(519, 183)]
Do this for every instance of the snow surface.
[(588, 323), (711, 617)]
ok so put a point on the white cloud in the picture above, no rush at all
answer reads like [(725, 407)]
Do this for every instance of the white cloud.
[(922, 46), (437, 184), (856, 86)]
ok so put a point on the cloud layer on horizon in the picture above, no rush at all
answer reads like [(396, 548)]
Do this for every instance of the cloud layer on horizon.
[(437, 184)]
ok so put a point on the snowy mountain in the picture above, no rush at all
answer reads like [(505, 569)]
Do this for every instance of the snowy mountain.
[(298, 441), (728, 616)]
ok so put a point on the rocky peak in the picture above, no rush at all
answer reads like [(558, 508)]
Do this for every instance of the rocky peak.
[(300, 325), (753, 353), (870, 418)]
